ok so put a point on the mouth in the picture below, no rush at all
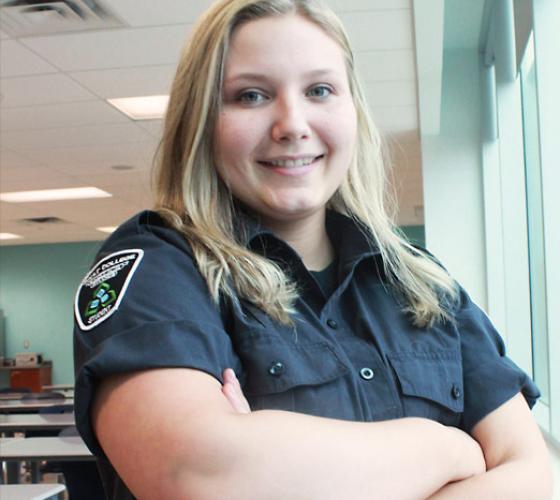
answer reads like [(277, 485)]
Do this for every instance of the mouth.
[(287, 163)]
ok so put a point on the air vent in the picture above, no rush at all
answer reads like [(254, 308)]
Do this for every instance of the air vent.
[(20, 18), (41, 220)]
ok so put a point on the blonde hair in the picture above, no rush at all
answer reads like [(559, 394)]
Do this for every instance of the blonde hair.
[(202, 208)]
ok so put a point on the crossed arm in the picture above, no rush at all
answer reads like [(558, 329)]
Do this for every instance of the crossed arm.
[(517, 463), (210, 445)]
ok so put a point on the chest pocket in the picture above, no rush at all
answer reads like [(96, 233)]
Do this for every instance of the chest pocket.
[(289, 376), (431, 384)]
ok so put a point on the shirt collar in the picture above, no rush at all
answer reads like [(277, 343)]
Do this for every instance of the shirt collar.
[(352, 240)]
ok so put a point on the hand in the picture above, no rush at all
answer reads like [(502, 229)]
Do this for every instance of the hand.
[(233, 392)]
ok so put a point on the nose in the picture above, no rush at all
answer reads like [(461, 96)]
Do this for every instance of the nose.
[(290, 121)]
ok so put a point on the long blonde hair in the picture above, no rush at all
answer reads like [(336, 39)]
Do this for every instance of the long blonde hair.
[(193, 199)]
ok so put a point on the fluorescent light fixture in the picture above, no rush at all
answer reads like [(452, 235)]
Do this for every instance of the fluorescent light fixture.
[(54, 194), (9, 236), (106, 229), (142, 108)]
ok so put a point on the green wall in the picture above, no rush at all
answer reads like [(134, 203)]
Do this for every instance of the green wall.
[(37, 286), (415, 234)]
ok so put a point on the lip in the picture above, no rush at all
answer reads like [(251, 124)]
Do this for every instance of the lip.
[(293, 171), (289, 157)]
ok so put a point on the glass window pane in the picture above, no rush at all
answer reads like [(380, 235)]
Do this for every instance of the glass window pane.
[(535, 221)]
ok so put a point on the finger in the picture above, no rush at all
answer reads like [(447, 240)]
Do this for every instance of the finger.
[(232, 394), (241, 403)]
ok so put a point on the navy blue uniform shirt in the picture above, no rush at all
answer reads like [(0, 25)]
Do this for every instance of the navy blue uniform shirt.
[(353, 354)]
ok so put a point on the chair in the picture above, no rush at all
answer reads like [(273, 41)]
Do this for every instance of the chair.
[(7, 390), (42, 395)]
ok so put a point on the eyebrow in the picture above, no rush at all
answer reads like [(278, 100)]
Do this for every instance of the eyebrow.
[(260, 77)]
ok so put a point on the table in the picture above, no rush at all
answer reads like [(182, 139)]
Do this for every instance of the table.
[(58, 387), (18, 405), (36, 449), (21, 422), (30, 491), (58, 448), (5, 396)]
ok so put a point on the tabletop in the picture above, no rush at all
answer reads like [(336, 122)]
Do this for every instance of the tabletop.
[(60, 448), (30, 491), (58, 387), (21, 422), (67, 393), (17, 405)]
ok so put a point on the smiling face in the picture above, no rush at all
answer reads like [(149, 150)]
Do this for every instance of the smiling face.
[(286, 130)]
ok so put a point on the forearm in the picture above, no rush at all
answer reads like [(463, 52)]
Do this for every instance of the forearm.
[(515, 480), (289, 455)]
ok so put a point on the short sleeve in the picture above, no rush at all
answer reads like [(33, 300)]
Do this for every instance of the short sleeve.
[(490, 378), (153, 310)]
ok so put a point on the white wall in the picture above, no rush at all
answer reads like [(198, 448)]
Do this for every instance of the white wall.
[(453, 194)]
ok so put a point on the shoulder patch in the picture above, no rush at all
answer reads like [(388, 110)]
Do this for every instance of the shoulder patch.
[(103, 288)]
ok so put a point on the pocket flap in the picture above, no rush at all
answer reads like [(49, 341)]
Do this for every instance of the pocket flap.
[(275, 366), (435, 375)]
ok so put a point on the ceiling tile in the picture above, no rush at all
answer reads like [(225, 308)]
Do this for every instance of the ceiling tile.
[(43, 89), (79, 159), (17, 179), (396, 93), (11, 160), (73, 114), (127, 82), (13, 211), (42, 178), (391, 118), (160, 12), (154, 127), (63, 147), (17, 60), (356, 5), (76, 136), (379, 30), (118, 48), (380, 65)]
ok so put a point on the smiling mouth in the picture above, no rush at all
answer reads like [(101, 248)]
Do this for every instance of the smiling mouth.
[(300, 162)]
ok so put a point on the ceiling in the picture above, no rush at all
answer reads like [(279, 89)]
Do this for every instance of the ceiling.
[(58, 131)]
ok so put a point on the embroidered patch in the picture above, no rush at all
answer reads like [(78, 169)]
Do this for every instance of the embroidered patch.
[(103, 288)]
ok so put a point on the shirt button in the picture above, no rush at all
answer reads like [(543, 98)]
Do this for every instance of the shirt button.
[(367, 373), (276, 368), (332, 323), (455, 391)]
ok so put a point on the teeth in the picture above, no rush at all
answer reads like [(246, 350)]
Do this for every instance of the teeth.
[(300, 162)]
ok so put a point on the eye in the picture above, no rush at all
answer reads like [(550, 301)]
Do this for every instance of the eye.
[(251, 97), (319, 91)]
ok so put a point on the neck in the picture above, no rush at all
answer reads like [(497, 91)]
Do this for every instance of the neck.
[(308, 237)]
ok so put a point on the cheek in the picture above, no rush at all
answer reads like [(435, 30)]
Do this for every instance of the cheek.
[(236, 136), (339, 127)]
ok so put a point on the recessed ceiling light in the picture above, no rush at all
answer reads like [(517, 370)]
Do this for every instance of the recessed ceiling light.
[(54, 194), (122, 167), (142, 108), (106, 229), (9, 236)]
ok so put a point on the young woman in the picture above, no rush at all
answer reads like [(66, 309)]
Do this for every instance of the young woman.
[(365, 371)]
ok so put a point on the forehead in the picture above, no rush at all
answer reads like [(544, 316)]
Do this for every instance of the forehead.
[(282, 43)]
